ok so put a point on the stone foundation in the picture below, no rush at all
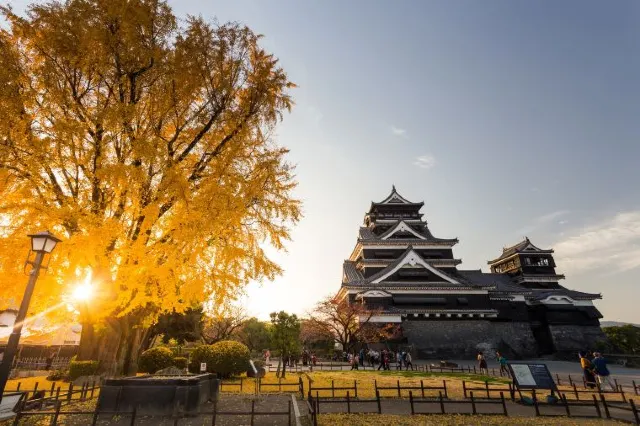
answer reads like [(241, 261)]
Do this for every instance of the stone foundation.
[(575, 338), (463, 339)]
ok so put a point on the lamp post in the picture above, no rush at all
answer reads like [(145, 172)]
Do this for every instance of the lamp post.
[(42, 243)]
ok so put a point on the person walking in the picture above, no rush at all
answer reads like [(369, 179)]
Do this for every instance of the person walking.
[(587, 370), (408, 362), (482, 363), (503, 364), (602, 372), (381, 360)]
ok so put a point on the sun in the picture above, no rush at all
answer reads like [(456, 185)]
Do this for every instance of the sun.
[(83, 292)]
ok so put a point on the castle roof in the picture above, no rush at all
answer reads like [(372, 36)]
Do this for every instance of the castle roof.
[(525, 246)]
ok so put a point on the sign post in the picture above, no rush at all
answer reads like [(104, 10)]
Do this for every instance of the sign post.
[(528, 375)]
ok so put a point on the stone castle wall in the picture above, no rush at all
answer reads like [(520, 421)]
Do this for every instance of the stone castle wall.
[(463, 339), (575, 338)]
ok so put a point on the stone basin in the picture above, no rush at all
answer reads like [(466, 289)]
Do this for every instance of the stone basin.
[(158, 395)]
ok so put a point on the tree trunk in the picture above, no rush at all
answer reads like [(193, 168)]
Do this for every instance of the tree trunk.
[(116, 346), (284, 365)]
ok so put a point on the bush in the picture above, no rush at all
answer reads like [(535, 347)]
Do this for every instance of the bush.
[(202, 353), (82, 368), (225, 358), (155, 359), (56, 375), (180, 362)]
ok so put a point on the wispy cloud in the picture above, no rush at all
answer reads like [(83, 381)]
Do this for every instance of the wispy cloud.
[(544, 221), (399, 131), (425, 161), (612, 245)]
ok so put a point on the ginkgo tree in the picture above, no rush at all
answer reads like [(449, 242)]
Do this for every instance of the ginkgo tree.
[(147, 144)]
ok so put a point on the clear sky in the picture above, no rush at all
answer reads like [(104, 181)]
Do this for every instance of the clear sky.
[(508, 118)]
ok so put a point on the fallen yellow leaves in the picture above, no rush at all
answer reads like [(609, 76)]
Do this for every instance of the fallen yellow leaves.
[(450, 419)]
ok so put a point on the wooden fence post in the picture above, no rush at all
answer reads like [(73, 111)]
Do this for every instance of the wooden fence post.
[(558, 380), (253, 410), (570, 381), (355, 388), (70, 392), (566, 404), (93, 388), (464, 388), (486, 386), (422, 387), (348, 403), (596, 405), (504, 405), (133, 416), (575, 390), (378, 401), (606, 408), (411, 402), (441, 402), (215, 411), (634, 410), (635, 387), (473, 403), (53, 388), (535, 402), (446, 393), (399, 393), (19, 383), (54, 420)]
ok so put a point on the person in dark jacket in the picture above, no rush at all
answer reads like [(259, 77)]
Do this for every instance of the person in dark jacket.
[(602, 372)]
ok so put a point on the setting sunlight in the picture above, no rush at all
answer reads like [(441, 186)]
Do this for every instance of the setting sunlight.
[(83, 292)]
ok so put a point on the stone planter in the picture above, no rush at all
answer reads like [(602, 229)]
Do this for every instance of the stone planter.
[(158, 395)]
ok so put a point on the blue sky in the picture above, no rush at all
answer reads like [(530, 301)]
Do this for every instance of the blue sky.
[(508, 118)]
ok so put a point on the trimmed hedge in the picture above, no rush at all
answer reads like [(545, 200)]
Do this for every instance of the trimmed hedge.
[(155, 359), (180, 362), (82, 368), (224, 358)]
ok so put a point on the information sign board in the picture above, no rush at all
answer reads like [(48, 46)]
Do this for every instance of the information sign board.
[(531, 376), (203, 367)]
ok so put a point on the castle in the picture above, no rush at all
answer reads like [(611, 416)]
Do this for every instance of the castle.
[(411, 278)]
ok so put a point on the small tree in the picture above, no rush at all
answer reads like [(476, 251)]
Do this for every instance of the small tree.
[(285, 332), (223, 325), (624, 339), (346, 322), (182, 326), (255, 334)]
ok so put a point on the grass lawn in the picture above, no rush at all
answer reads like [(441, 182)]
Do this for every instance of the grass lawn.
[(29, 383), (449, 419)]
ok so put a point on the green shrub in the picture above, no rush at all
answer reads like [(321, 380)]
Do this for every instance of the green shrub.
[(180, 362), (202, 353), (56, 375), (224, 358), (82, 368), (155, 359)]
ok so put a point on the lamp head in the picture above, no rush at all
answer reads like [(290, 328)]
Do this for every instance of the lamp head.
[(43, 242)]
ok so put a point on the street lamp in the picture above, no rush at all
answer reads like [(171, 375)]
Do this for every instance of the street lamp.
[(42, 243)]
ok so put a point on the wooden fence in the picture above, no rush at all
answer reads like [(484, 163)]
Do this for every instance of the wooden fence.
[(177, 416)]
